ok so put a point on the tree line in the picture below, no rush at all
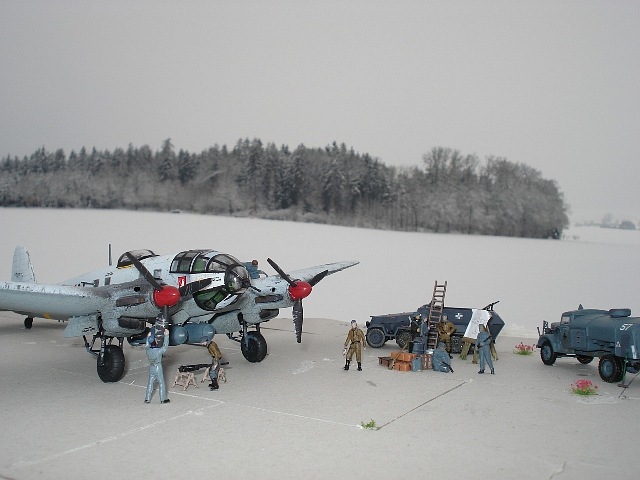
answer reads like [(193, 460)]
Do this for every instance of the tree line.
[(449, 192)]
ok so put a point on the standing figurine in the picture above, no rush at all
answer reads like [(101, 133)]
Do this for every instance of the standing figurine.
[(354, 343), (445, 329), (155, 349), (483, 345), (415, 325), (214, 369)]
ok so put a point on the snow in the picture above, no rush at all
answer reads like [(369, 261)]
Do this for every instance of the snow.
[(534, 280)]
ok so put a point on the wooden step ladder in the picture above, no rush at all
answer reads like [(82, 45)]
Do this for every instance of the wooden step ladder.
[(435, 314)]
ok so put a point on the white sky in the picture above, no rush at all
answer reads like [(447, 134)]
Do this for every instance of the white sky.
[(552, 84)]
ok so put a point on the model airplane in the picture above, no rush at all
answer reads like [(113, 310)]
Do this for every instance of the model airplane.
[(198, 293)]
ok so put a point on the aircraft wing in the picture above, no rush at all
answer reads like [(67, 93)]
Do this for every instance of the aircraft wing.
[(307, 274), (51, 301)]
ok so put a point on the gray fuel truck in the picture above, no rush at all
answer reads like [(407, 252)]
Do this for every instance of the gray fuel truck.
[(611, 335)]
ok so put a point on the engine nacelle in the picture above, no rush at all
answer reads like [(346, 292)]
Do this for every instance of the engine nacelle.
[(191, 333)]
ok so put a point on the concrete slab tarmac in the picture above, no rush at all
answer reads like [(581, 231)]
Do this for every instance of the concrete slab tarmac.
[(298, 413)]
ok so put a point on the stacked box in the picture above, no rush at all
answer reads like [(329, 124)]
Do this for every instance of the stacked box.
[(403, 356), (402, 366), (401, 361)]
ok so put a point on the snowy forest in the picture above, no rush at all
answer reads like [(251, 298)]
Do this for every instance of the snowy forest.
[(449, 192)]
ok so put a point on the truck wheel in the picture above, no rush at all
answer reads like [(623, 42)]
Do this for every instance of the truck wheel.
[(547, 355), (583, 359), (610, 369), (403, 339), (375, 337)]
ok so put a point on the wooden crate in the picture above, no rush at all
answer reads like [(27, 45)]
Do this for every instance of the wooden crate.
[(402, 366), (386, 361), (403, 356), (427, 363)]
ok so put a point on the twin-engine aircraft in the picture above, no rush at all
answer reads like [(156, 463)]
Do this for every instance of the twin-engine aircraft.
[(197, 293)]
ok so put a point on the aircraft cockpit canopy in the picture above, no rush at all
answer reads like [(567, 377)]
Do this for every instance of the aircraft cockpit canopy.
[(124, 260), (209, 261), (236, 276)]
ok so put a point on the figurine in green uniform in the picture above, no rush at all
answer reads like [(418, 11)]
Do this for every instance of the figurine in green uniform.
[(354, 343)]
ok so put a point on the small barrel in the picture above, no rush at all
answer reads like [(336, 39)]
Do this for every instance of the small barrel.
[(417, 346)]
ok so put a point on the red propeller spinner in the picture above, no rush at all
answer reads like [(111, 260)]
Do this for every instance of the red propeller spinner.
[(299, 290), (167, 296)]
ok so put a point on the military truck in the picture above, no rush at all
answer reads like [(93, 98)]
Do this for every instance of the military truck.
[(383, 328), (611, 335)]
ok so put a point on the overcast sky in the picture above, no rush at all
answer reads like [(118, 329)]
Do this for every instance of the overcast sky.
[(552, 84)]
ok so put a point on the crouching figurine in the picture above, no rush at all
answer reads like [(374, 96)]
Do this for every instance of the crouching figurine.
[(441, 360)]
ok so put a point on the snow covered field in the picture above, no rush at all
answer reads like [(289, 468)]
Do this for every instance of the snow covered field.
[(534, 280)]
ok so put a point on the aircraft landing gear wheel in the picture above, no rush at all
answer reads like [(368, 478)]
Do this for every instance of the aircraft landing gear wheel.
[(254, 347), (111, 364), (584, 359), (610, 369), (375, 338), (547, 355), (28, 323), (403, 339)]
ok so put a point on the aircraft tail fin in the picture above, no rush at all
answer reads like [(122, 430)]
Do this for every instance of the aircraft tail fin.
[(22, 270)]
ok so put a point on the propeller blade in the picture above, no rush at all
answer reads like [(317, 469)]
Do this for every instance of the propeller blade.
[(318, 277), (164, 296), (297, 319), (281, 272), (193, 287), (143, 271)]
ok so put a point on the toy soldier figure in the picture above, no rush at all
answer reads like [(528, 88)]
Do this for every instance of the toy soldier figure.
[(441, 360), (354, 344), (214, 369), (252, 268), (415, 326), (155, 348), (483, 345), (445, 330)]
